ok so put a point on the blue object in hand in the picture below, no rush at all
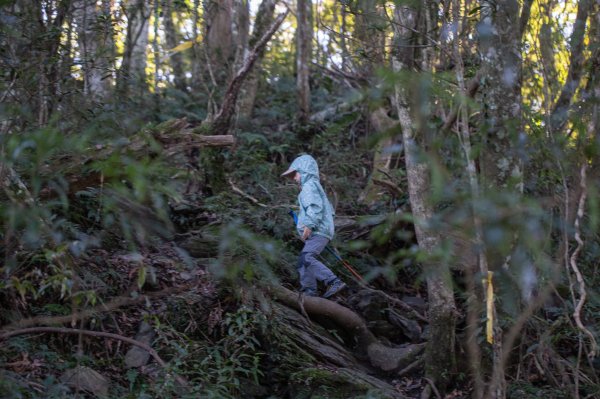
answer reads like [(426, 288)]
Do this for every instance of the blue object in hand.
[(294, 216)]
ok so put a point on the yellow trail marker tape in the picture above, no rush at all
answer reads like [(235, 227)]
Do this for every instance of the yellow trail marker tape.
[(489, 328)]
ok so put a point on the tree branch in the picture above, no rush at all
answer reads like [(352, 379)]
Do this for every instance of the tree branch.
[(560, 112), (115, 303), (524, 19), (472, 88)]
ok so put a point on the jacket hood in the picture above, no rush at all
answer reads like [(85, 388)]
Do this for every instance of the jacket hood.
[(306, 166)]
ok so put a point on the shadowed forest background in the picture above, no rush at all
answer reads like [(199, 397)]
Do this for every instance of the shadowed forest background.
[(146, 245)]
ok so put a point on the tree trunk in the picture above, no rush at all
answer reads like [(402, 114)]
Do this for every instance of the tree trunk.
[(382, 160), (439, 356), (219, 40), (172, 38), (240, 30), (369, 32), (304, 34), (94, 37), (197, 63), (264, 19), (133, 67), (370, 37), (500, 48), (560, 111)]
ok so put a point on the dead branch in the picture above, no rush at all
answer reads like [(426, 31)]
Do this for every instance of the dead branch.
[(115, 303), (61, 330), (472, 88), (222, 120), (398, 302), (245, 195), (329, 112), (391, 187)]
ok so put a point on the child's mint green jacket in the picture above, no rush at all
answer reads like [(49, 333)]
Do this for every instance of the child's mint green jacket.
[(316, 211)]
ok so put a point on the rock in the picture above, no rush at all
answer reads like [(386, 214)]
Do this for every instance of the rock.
[(410, 328), (86, 379), (393, 359), (369, 304), (136, 356)]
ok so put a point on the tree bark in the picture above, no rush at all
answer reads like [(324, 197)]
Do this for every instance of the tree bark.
[(370, 36), (500, 48), (222, 121), (133, 66), (439, 355), (382, 160), (240, 31), (172, 37), (218, 36), (94, 37), (264, 19), (304, 34), (559, 115)]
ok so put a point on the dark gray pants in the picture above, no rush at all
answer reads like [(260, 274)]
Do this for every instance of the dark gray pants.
[(310, 269)]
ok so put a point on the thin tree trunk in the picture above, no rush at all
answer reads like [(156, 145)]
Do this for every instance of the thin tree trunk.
[(559, 114), (500, 47), (368, 32), (343, 33), (439, 356), (133, 66), (197, 77), (94, 47), (264, 19), (304, 34), (367, 23), (172, 37), (382, 159), (240, 31)]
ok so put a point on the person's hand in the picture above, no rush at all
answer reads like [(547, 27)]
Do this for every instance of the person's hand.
[(307, 232)]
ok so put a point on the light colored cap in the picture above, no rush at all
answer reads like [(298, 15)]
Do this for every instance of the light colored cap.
[(288, 173)]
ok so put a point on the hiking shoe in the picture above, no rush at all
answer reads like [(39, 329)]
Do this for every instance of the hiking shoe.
[(334, 288)]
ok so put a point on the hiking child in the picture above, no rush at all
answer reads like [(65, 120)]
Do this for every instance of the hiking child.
[(315, 226)]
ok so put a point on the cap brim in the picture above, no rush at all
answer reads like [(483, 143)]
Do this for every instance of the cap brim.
[(288, 172)]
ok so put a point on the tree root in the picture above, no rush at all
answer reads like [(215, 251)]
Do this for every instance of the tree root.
[(385, 358)]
